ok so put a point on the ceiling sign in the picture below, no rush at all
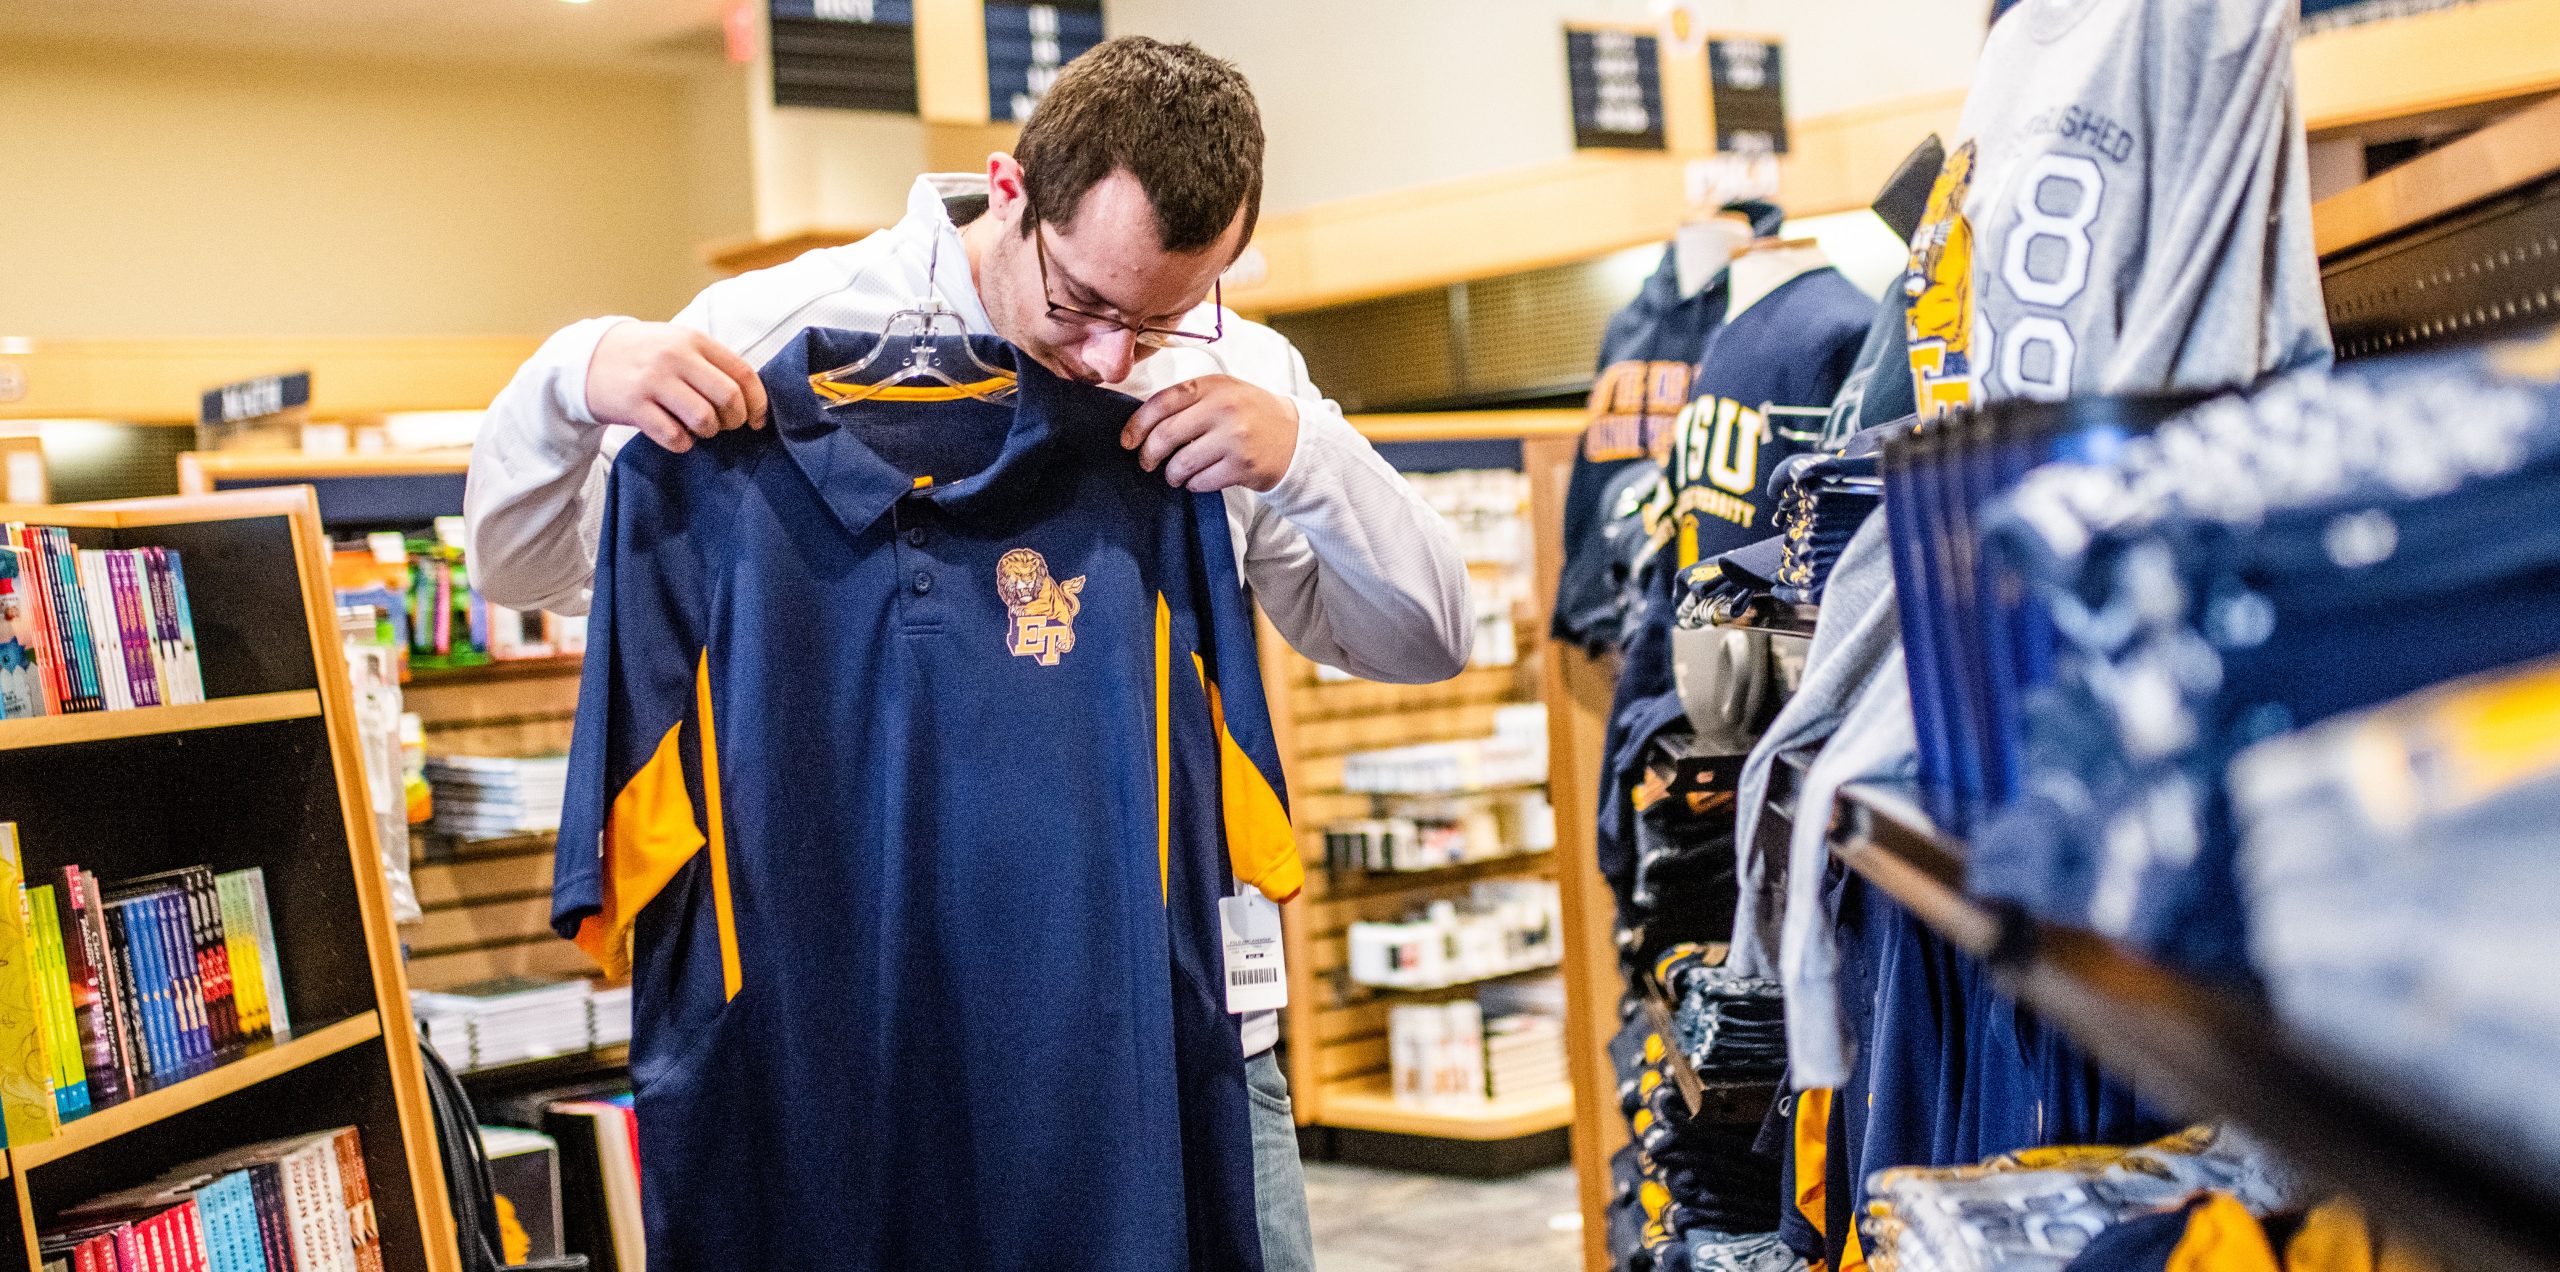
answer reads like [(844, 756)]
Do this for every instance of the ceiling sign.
[(845, 54), (1746, 86), (1027, 43), (1617, 89)]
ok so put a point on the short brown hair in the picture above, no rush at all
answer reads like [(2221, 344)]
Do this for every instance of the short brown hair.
[(1182, 122)]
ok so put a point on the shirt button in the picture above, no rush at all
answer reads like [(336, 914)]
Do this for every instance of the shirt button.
[(923, 582), (915, 536)]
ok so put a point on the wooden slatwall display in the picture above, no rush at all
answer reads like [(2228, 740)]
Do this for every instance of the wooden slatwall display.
[(487, 903), (844, 54), (266, 772), (1337, 1031)]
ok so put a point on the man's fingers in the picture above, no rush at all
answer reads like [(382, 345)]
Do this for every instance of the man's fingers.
[(1172, 435), (750, 385), (689, 408), (1230, 470), (1166, 404), (727, 397), (658, 426)]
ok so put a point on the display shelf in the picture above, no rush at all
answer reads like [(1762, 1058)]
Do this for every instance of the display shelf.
[(1684, 1075), (2208, 1051), (1722, 1101), (144, 722), (266, 774), (1368, 990), (1371, 1106), (554, 1068), (1359, 883), (108, 1123), (497, 672)]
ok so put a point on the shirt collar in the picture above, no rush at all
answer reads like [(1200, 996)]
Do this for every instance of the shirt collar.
[(1047, 420)]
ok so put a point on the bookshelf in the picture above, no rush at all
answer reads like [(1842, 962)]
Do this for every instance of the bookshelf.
[(1337, 1031), (264, 773)]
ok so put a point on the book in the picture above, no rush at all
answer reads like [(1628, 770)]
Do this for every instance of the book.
[(22, 550), (52, 548), (23, 691), (524, 1174), (177, 937), (600, 1183), (142, 1062), (239, 934), (253, 885), (26, 1088), (88, 574), (186, 626), (206, 954), (310, 1198), (87, 978), (66, 1066), (133, 632), (135, 930), (364, 1230)]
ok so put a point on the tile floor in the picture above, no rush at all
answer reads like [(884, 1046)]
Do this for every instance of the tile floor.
[(1371, 1220)]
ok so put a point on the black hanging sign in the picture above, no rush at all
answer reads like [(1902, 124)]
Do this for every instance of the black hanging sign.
[(1746, 84), (1617, 89), (845, 54), (1027, 43)]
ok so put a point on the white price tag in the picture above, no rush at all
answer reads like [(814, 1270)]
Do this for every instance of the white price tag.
[(1257, 978)]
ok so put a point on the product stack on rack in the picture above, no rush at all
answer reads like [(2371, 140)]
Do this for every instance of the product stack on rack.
[(494, 797), (520, 1018), (417, 584), (293, 1205)]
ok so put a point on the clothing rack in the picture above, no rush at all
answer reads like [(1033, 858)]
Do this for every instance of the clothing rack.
[(2211, 1051)]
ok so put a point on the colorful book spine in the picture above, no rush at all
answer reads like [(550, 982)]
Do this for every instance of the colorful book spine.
[(275, 1223), (248, 980), (71, 618), (22, 547), (186, 626), (69, 1069), (177, 654), (213, 961), (142, 1054), (85, 977), (26, 1087), (23, 676), (364, 1230), (98, 611), (322, 1241), (279, 1022), (160, 1011), (177, 937), (133, 629)]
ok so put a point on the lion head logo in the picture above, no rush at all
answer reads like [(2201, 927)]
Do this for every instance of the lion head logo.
[(1043, 610), (1940, 286)]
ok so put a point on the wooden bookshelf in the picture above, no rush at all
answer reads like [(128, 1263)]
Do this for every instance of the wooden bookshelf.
[(1367, 1105), (139, 722), (265, 773), (107, 1124)]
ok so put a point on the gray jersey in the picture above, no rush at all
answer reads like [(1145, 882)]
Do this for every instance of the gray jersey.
[(2125, 208)]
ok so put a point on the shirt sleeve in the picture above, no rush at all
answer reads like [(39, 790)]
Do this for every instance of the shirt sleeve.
[(1262, 847), (1354, 568), (535, 495), (632, 817)]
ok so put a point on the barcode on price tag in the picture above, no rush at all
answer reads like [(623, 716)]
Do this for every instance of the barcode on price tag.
[(1257, 979)]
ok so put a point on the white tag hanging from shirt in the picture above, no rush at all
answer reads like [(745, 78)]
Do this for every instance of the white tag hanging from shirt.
[(1257, 977)]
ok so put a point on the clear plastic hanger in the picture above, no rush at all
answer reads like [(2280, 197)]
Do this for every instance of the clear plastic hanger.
[(915, 366)]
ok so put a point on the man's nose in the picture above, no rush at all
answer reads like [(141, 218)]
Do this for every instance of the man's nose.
[(1111, 354)]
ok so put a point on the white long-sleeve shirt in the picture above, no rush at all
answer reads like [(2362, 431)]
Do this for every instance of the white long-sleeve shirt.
[(1353, 568)]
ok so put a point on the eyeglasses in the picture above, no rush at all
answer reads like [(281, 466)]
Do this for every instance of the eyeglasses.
[(1152, 337)]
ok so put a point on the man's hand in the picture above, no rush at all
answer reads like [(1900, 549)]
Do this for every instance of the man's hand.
[(672, 383), (1215, 432)]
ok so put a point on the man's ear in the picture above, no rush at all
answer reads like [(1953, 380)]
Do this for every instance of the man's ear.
[(1005, 191)]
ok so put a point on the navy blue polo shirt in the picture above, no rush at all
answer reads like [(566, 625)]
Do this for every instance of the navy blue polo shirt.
[(918, 740)]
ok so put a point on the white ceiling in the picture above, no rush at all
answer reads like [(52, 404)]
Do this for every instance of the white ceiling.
[(651, 35)]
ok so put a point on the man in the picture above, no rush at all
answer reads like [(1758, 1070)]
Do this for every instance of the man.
[(1095, 251)]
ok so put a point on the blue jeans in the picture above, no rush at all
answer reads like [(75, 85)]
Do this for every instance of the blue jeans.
[(1279, 1182)]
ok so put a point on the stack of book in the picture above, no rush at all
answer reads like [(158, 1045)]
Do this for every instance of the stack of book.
[(290, 1205), (108, 991), (1523, 1056), (518, 1018), (92, 629), (600, 1180), (494, 797)]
